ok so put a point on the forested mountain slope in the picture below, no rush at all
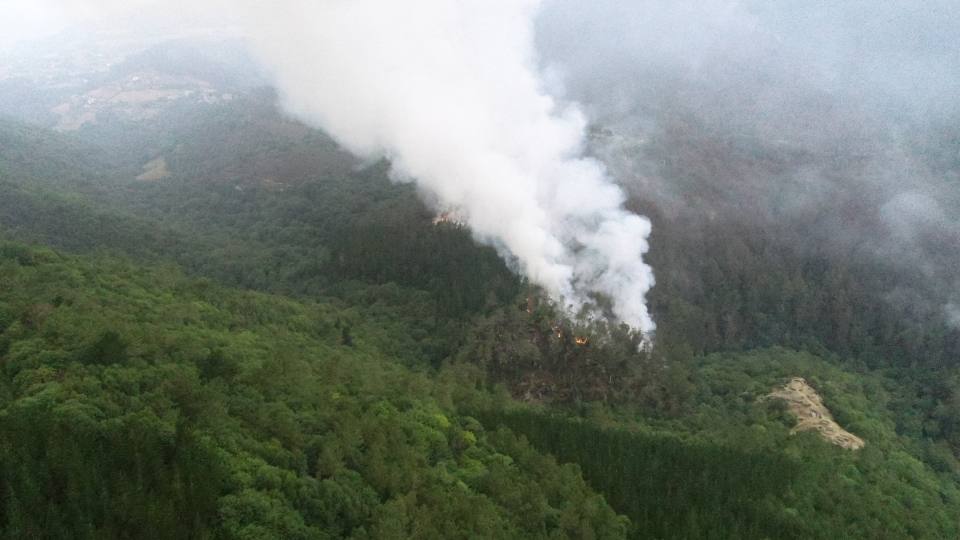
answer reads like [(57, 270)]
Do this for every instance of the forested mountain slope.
[(139, 403), (163, 382), (137, 396)]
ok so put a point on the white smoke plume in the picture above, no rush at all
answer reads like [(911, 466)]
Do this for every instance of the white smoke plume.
[(448, 91)]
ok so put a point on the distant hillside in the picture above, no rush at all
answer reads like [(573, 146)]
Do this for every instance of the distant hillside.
[(35, 155)]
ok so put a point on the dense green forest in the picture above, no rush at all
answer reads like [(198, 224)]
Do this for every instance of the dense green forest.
[(139, 403), (276, 341)]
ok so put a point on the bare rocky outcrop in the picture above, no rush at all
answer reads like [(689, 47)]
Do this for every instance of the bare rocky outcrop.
[(805, 403)]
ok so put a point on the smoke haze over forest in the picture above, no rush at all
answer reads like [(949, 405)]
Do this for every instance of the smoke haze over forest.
[(851, 105)]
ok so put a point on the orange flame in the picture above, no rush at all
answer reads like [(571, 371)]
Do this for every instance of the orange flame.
[(450, 216), (581, 340)]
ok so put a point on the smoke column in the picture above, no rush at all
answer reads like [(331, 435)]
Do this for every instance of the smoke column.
[(448, 91)]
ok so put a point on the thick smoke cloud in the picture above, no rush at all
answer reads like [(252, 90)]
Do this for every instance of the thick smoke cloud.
[(449, 92), (832, 120), (837, 119)]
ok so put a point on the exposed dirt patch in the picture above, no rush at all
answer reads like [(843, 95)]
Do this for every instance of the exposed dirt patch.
[(139, 97), (805, 403), (154, 170)]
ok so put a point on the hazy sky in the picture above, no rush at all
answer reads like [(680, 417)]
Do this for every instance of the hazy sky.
[(27, 19)]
